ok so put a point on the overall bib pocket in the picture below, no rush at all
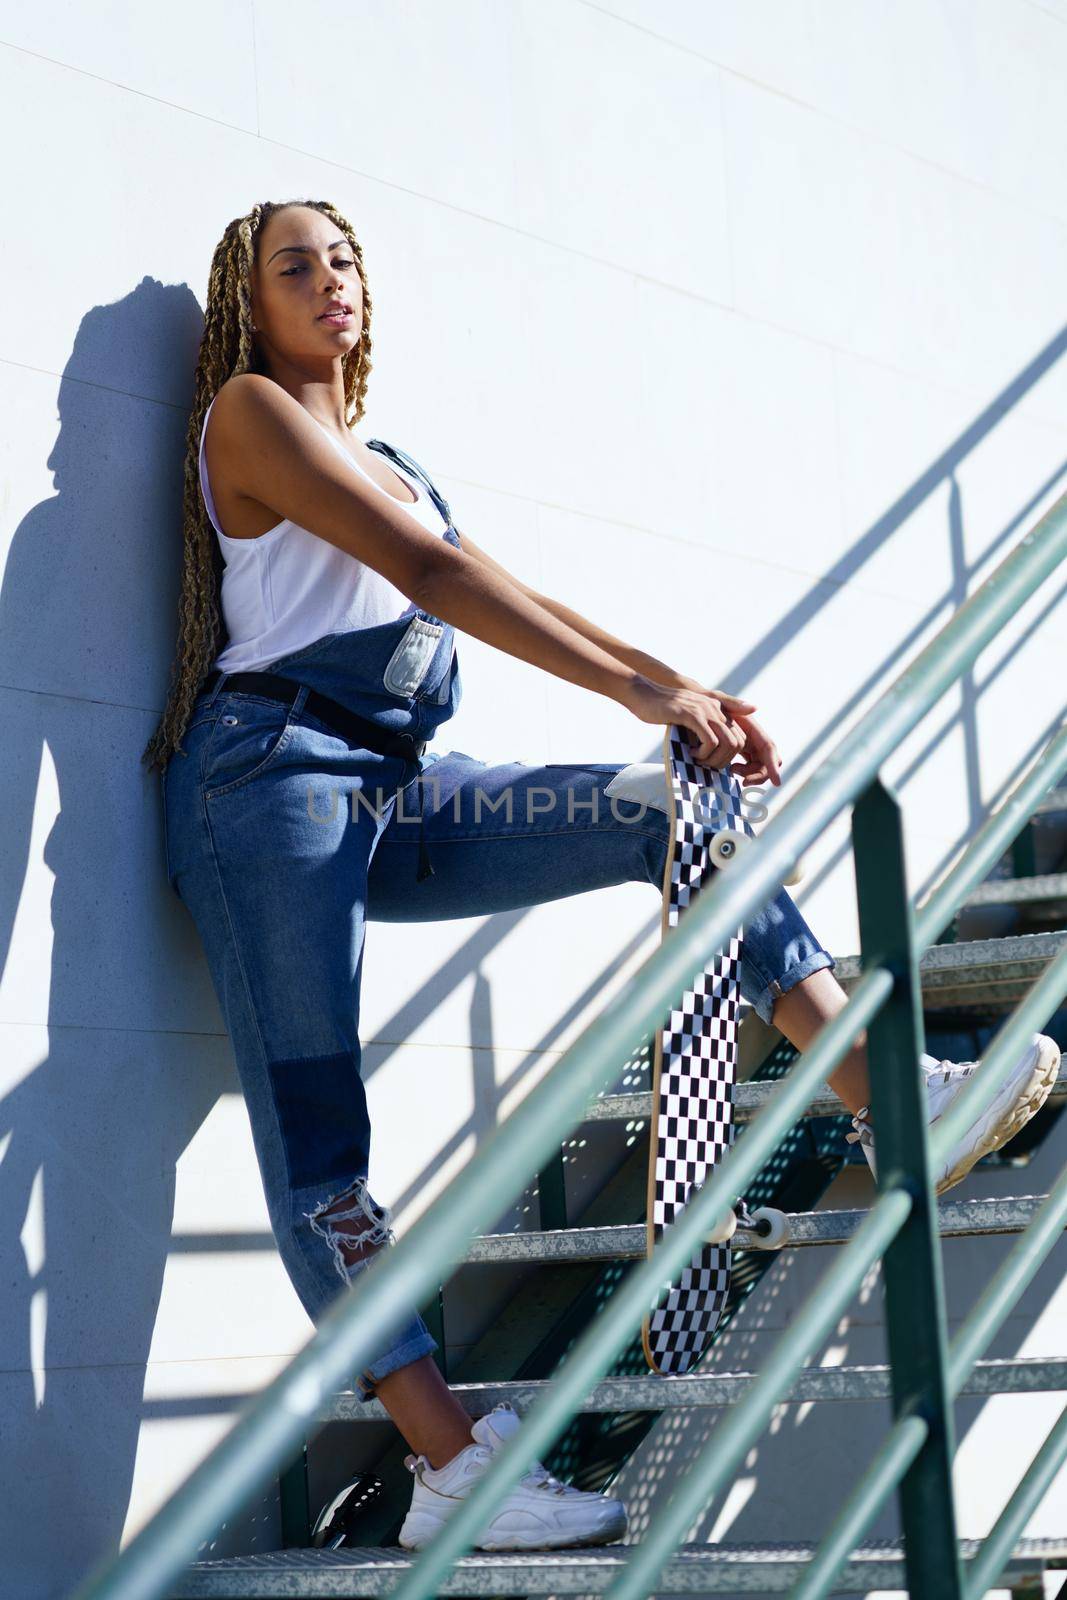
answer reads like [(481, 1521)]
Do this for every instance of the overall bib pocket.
[(249, 736), (409, 662)]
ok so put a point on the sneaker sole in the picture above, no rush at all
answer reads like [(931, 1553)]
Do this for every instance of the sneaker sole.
[(607, 1535), (1029, 1100)]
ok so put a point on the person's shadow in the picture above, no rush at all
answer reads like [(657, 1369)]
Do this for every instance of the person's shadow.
[(104, 1083)]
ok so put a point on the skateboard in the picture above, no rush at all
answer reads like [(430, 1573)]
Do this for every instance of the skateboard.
[(694, 1066)]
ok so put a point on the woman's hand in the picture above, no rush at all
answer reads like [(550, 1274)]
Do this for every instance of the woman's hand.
[(762, 761), (721, 726)]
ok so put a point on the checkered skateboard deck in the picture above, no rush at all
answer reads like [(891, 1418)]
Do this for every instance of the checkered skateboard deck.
[(695, 1062)]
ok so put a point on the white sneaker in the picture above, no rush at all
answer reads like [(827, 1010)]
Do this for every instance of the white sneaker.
[(540, 1513), (1024, 1092)]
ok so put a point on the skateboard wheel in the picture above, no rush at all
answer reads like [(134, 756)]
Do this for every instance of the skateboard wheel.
[(771, 1228), (723, 1230), (726, 845), (796, 875)]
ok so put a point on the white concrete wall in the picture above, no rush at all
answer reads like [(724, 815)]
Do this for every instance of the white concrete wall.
[(719, 293)]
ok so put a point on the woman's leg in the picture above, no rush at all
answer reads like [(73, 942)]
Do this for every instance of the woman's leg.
[(803, 1012), (276, 886), (511, 835)]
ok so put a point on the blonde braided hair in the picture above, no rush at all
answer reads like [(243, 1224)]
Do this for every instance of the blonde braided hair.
[(226, 347)]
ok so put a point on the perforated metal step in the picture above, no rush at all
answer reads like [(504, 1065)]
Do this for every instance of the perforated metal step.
[(1009, 1214), (1026, 1375), (987, 973), (694, 1569), (1019, 891), (749, 1098)]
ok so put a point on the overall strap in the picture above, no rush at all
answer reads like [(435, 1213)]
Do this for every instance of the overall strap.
[(413, 467)]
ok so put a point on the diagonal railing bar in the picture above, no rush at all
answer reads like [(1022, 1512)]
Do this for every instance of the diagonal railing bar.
[(878, 1481), (990, 842), (614, 1324), (866, 1499), (983, 1569), (266, 1431), (726, 1447), (891, 1460), (1015, 1273)]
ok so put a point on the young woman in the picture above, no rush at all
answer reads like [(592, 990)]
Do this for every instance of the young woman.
[(322, 583)]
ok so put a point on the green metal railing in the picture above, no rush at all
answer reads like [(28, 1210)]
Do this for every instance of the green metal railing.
[(901, 1225)]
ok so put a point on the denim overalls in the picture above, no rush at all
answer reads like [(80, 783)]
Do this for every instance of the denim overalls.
[(413, 660), (283, 839)]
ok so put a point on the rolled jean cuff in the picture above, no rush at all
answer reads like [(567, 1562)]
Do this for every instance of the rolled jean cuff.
[(763, 1004), (415, 1341)]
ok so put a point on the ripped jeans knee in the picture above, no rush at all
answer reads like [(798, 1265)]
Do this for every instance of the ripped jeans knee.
[(356, 1227), (370, 1232)]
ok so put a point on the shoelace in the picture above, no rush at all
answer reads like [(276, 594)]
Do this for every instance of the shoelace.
[(862, 1132), (948, 1070), (537, 1475), (945, 1071)]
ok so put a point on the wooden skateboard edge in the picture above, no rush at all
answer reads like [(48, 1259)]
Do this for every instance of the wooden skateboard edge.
[(657, 1055), (657, 1060)]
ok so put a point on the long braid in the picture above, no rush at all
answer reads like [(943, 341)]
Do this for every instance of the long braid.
[(226, 347)]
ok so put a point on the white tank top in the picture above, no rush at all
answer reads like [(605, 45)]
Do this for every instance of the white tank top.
[(287, 588)]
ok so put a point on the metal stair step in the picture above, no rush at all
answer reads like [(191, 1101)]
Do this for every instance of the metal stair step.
[(693, 1569), (1019, 891), (749, 1098), (1024, 1375), (988, 973), (626, 1242)]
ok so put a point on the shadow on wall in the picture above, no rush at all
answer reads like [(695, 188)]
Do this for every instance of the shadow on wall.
[(93, 1125), (92, 1122)]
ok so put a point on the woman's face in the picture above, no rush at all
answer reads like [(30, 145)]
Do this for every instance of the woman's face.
[(303, 263)]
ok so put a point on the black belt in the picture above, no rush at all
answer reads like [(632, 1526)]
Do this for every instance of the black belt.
[(349, 724)]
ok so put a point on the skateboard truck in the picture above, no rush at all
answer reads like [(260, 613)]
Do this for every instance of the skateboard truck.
[(727, 844), (770, 1226)]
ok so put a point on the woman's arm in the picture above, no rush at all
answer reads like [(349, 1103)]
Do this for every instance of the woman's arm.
[(483, 599), (275, 455), (469, 589), (759, 761), (638, 660)]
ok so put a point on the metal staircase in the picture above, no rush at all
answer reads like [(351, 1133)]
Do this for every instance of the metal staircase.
[(903, 972)]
